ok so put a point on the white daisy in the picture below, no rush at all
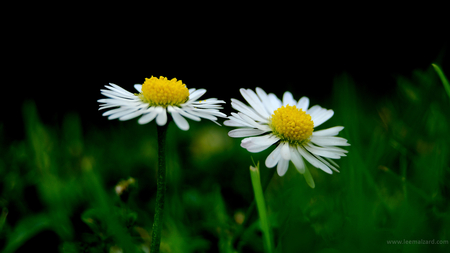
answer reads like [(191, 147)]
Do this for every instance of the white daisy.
[(290, 125), (156, 98)]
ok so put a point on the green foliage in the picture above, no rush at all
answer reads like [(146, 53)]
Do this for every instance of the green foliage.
[(59, 184)]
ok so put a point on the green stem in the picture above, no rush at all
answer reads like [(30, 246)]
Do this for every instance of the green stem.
[(261, 205), (251, 209), (161, 189)]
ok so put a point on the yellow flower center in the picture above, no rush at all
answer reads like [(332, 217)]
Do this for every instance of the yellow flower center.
[(291, 124), (163, 92)]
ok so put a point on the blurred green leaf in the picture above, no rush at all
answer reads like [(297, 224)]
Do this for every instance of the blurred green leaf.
[(3, 218), (93, 217), (25, 229), (443, 78)]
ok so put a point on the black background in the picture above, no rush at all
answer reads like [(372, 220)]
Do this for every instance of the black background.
[(61, 58)]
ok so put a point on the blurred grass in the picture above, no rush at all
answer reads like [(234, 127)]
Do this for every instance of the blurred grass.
[(58, 184), (443, 78)]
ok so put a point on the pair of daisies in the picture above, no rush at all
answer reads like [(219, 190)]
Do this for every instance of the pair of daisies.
[(266, 121)]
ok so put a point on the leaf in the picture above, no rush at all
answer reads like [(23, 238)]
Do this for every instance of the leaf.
[(443, 78), (26, 229)]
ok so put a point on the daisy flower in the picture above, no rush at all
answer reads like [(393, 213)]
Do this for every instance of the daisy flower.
[(156, 98), (290, 125)]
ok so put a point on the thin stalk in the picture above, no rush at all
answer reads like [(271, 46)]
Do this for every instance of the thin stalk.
[(251, 210), (161, 189), (262, 210)]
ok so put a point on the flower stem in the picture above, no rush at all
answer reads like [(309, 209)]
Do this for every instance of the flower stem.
[(262, 209), (161, 189), (251, 210)]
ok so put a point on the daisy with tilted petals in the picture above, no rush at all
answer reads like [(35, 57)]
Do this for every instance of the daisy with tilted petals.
[(290, 125), (156, 98)]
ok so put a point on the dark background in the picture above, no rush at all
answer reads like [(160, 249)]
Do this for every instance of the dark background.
[(61, 59)]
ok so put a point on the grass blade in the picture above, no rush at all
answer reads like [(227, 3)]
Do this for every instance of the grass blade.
[(261, 206), (443, 78)]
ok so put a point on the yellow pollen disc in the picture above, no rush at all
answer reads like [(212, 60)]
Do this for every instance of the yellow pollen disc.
[(291, 124), (163, 92)]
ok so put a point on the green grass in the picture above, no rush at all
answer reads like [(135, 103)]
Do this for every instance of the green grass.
[(58, 184), (443, 78)]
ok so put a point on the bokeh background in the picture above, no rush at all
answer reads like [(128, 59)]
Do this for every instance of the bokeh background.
[(60, 160)]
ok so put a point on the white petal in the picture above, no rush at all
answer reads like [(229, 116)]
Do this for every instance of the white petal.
[(316, 111), (131, 115), (268, 139), (238, 105), (207, 106), (259, 143), (201, 111), (313, 109), (115, 94), (120, 102), (255, 148), (327, 163), (332, 162), (254, 102), (309, 179), (253, 123), (323, 117), (186, 114), (149, 116), (274, 157), (329, 141), (234, 123), (313, 161), (105, 106), (196, 94), (265, 100), (161, 119), (297, 160), (180, 121), (236, 120), (208, 103), (214, 112), (288, 99), (282, 167), (318, 151), (201, 114), (138, 87), (303, 103), (122, 113), (285, 153), (274, 101), (118, 89), (329, 132), (336, 150), (244, 132), (115, 110), (212, 100)]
